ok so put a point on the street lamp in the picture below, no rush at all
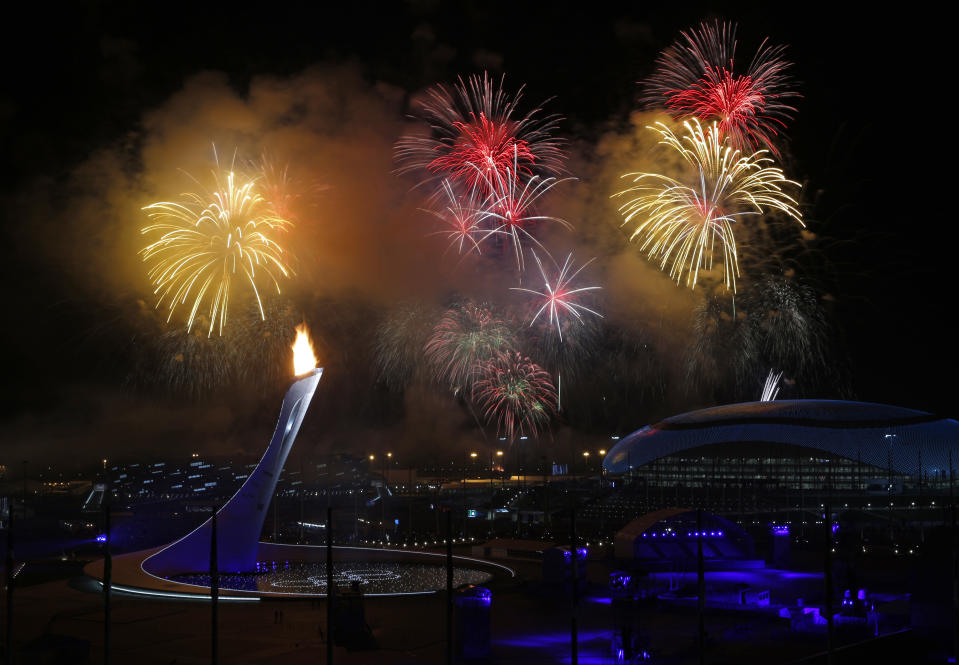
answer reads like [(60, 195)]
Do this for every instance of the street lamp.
[(586, 459)]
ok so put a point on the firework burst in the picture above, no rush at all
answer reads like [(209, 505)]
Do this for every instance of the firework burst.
[(464, 217), (515, 394), (465, 335), (285, 192), (560, 299), (696, 77), (475, 134), (208, 242), (684, 225), (513, 213)]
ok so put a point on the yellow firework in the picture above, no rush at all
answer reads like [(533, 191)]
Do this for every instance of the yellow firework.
[(205, 243), (684, 224)]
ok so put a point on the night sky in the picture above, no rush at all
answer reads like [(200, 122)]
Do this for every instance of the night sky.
[(868, 144)]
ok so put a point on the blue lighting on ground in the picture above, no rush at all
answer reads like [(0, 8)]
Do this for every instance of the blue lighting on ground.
[(478, 595), (619, 581), (581, 553), (599, 600)]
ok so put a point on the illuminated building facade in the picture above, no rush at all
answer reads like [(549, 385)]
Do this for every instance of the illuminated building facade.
[(791, 445)]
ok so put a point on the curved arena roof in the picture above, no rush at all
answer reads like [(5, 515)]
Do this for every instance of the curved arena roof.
[(876, 433)]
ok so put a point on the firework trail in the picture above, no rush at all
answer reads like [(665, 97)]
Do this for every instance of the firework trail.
[(771, 386), (725, 351), (251, 353), (569, 356), (207, 242), (684, 224), (475, 134), (263, 343), (400, 339), (465, 335), (192, 364), (567, 359), (515, 394), (559, 298), (696, 77), (791, 326), (778, 323)]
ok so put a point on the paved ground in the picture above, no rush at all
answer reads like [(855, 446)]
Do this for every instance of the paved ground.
[(529, 625)]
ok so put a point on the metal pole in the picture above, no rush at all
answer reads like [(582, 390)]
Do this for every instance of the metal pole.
[(449, 586), (214, 592), (701, 586), (955, 568), (330, 588), (10, 564), (827, 562), (574, 595), (107, 583), (410, 494), (490, 513), (546, 520)]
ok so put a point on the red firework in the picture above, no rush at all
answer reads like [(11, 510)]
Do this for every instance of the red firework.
[(514, 393), (696, 77), (473, 132), (484, 149)]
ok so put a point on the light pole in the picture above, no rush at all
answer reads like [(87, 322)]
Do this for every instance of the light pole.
[(499, 453), (466, 473), (387, 465), (586, 460), (382, 494)]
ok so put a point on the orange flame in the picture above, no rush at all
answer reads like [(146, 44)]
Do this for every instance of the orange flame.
[(304, 360)]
